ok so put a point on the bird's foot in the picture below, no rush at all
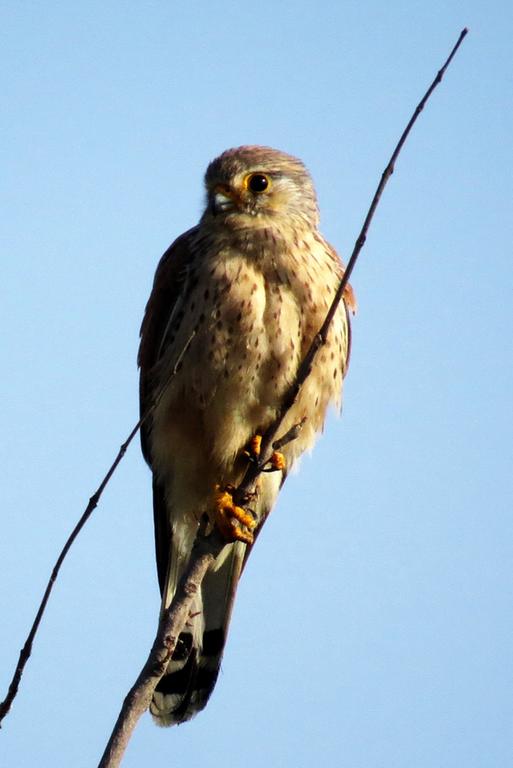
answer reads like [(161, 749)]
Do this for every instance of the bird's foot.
[(276, 462), (252, 452), (233, 522)]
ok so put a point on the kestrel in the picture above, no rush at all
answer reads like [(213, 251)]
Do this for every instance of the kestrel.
[(235, 304)]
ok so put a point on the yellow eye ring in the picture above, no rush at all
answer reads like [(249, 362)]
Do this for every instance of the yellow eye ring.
[(257, 182)]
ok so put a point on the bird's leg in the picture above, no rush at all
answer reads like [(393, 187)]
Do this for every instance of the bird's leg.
[(234, 523), (275, 463)]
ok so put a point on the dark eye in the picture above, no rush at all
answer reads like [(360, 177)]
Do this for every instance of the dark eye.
[(258, 182)]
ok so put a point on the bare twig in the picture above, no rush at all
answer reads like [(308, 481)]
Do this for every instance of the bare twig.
[(319, 340), (206, 549), (289, 436), (171, 623), (26, 651)]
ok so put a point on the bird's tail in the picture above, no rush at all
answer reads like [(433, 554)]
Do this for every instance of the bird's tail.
[(192, 672)]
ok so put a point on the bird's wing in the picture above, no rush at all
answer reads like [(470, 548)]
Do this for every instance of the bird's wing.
[(167, 294)]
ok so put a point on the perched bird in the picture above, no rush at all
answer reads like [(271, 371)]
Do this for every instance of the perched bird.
[(235, 304)]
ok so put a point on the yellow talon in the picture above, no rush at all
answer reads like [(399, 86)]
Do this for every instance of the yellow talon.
[(277, 461), (231, 520), (253, 449), (254, 445)]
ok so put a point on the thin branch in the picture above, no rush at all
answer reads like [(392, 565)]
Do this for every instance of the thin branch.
[(320, 338), (171, 623), (206, 549), (26, 651), (289, 436)]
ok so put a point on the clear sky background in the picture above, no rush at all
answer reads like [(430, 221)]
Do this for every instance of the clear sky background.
[(373, 627)]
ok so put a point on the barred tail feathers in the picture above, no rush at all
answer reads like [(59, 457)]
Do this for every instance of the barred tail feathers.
[(194, 667)]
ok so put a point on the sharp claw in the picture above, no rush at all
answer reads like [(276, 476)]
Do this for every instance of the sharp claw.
[(276, 463), (252, 452), (234, 523)]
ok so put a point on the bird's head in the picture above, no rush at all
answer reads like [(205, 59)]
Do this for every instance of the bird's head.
[(252, 186)]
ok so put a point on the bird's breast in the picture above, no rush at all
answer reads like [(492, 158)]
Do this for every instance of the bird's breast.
[(251, 320)]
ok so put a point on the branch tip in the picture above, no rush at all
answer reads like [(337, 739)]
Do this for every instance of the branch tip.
[(206, 549)]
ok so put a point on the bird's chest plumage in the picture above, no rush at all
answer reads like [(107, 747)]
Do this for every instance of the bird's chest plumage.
[(249, 330), (248, 312)]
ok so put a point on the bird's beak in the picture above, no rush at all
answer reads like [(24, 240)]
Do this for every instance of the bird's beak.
[(223, 199)]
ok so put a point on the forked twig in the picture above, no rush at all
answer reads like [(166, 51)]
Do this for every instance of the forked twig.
[(171, 623), (320, 338), (206, 549)]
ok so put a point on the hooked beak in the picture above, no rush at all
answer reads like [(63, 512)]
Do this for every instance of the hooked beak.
[(223, 200)]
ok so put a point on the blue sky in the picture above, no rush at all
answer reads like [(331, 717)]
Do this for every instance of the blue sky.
[(373, 626)]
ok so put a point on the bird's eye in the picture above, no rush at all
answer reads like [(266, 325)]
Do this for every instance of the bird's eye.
[(258, 182)]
